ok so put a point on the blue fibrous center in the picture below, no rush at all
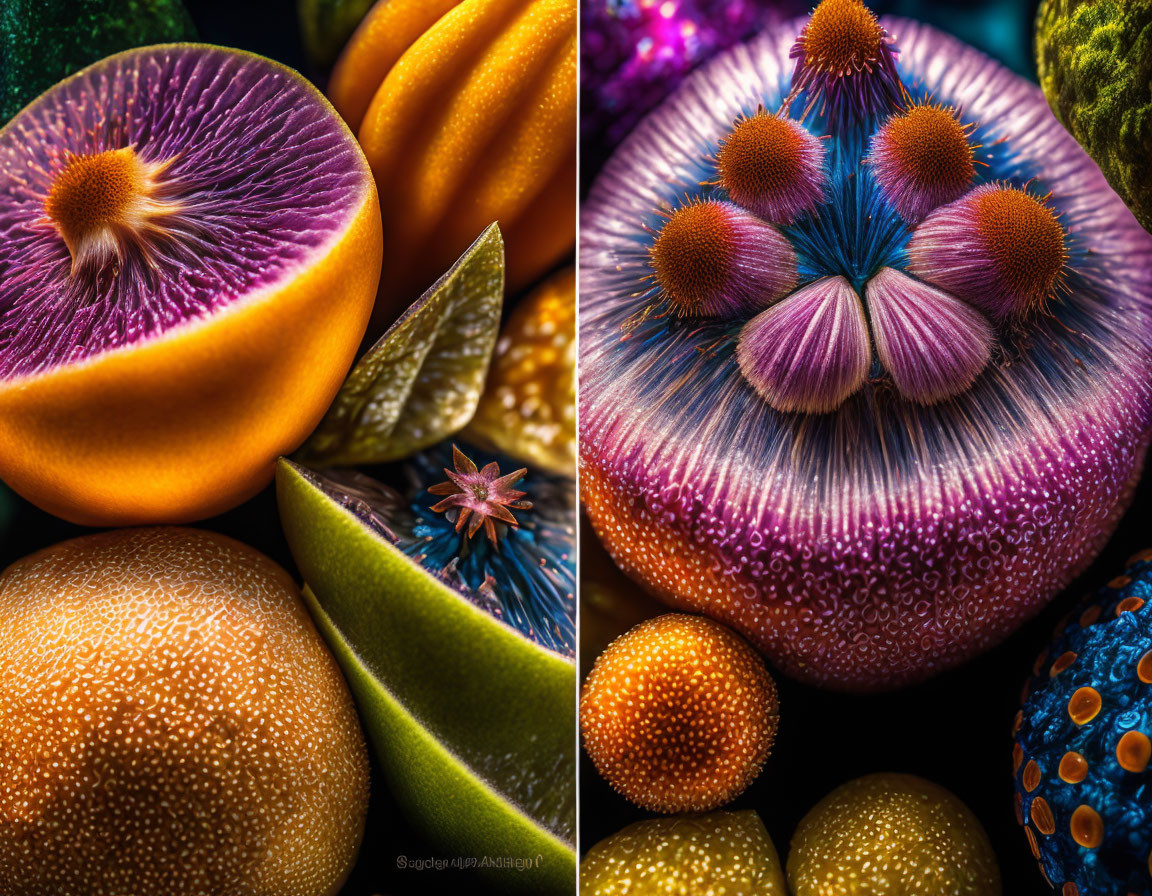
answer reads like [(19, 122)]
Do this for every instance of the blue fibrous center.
[(856, 232)]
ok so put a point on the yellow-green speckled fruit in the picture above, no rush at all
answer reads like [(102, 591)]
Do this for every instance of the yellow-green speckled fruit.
[(720, 854), (891, 835), (171, 723)]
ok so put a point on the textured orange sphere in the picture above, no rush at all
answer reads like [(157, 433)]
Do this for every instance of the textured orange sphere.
[(679, 714), (693, 255), (843, 36), (1026, 240), (891, 835), (170, 723)]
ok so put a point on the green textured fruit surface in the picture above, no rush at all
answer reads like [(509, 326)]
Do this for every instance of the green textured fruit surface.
[(719, 854), (473, 724), (44, 41), (326, 25), (1094, 59)]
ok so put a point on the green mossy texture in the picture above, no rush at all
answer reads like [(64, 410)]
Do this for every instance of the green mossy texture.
[(44, 41), (326, 26), (1094, 60)]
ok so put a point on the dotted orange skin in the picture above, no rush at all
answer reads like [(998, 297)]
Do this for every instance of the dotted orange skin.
[(720, 854), (476, 122), (171, 723), (190, 424), (891, 835), (679, 714), (528, 409)]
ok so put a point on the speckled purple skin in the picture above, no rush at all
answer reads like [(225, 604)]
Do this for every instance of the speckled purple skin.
[(879, 544), (262, 176)]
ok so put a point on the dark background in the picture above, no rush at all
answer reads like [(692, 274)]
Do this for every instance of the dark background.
[(955, 729)]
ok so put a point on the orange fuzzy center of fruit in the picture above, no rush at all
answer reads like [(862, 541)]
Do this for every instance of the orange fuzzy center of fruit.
[(761, 157), (1026, 241), (692, 255), (104, 202), (93, 192), (843, 36), (932, 146)]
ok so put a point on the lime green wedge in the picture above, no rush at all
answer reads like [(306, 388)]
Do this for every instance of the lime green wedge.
[(472, 723)]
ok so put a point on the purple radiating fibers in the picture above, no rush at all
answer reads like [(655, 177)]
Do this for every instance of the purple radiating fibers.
[(261, 169)]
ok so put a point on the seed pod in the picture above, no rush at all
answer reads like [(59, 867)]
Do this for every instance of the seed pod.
[(886, 471)]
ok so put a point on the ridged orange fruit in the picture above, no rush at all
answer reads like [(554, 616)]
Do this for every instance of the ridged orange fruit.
[(472, 122), (389, 28), (189, 252)]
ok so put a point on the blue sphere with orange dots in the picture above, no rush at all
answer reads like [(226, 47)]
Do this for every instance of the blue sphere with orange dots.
[(1084, 741)]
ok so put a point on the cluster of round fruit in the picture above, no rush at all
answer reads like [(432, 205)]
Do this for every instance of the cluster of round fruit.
[(679, 715)]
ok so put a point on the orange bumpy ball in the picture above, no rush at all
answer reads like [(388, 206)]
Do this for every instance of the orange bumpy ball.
[(891, 835), (1026, 241), (693, 254), (171, 723), (93, 192), (679, 714), (923, 158), (843, 36), (772, 166), (761, 155), (934, 145)]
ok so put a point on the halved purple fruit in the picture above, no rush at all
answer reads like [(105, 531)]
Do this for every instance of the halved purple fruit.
[(188, 135), (200, 197)]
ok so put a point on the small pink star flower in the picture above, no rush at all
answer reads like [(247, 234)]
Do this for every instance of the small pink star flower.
[(482, 495)]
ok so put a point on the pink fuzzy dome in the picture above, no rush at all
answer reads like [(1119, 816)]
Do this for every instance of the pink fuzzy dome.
[(923, 158), (773, 166), (714, 259), (887, 467)]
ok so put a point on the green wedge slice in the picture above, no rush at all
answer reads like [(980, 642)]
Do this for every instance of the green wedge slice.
[(472, 723)]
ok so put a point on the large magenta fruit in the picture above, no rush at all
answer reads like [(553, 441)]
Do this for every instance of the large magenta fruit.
[(890, 393)]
